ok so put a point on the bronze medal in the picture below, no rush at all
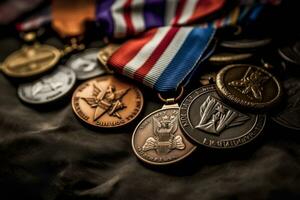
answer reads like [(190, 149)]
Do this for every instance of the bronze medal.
[(31, 60), (158, 140), (107, 102), (248, 86), (212, 123)]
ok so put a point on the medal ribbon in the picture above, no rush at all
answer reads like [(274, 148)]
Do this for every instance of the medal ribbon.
[(163, 58), (120, 18)]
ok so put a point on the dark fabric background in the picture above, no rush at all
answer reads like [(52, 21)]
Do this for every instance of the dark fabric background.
[(46, 153)]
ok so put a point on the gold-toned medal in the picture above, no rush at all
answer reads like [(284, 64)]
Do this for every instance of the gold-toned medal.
[(31, 60), (105, 53), (248, 86)]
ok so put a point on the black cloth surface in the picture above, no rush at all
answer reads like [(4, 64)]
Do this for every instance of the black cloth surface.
[(47, 153)]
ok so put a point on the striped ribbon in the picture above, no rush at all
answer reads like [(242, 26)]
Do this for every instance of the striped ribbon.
[(163, 58), (121, 18)]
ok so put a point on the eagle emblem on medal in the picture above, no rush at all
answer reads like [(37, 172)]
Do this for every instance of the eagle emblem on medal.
[(215, 117), (107, 100), (164, 137)]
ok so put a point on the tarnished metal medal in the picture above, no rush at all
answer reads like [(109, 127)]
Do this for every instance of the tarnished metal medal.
[(86, 65), (158, 139), (30, 61), (207, 120), (229, 58), (289, 116), (105, 53), (48, 88), (107, 102), (248, 86), (246, 44), (291, 53)]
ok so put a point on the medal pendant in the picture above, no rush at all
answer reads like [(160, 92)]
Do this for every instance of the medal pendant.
[(31, 60), (248, 86), (107, 102), (158, 139), (212, 123), (48, 88)]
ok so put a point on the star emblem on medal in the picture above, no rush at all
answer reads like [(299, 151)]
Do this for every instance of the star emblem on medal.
[(107, 100)]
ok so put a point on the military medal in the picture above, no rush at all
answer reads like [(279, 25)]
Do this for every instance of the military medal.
[(158, 139), (107, 102), (229, 58), (212, 123), (245, 44), (248, 86), (49, 88), (289, 115), (86, 65), (31, 60), (291, 53)]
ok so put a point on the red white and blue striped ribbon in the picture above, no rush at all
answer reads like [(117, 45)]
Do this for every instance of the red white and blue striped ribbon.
[(163, 58), (121, 18)]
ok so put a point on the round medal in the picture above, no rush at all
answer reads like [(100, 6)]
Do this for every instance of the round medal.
[(48, 88), (246, 43), (158, 139), (212, 123), (291, 53), (289, 117), (228, 58), (107, 102), (30, 61), (248, 86), (86, 64)]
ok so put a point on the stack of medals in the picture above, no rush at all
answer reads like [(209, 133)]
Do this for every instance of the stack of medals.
[(238, 85), (49, 79)]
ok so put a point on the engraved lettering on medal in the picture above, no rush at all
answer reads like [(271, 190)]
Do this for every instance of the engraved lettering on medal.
[(106, 101), (164, 139), (251, 84), (216, 117)]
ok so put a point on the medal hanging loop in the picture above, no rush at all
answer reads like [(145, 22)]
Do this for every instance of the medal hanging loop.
[(169, 101), (75, 45)]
